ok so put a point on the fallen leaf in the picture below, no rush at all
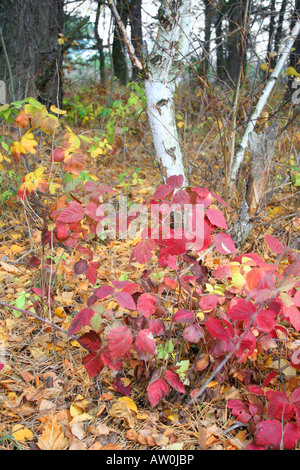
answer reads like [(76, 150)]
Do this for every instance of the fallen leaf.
[(21, 434)]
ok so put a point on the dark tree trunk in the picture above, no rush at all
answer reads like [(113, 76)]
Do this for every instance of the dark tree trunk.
[(136, 32), (100, 43), (209, 14), (272, 14), (237, 41), (220, 66), (278, 34), (119, 54), (30, 32)]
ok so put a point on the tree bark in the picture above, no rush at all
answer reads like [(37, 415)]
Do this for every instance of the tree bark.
[(30, 32), (99, 41), (136, 32), (119, 56), (262, 101), (164, 66)]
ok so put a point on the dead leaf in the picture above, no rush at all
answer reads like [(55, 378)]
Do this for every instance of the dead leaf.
[(21, 434), (77, 429), (121, 411)]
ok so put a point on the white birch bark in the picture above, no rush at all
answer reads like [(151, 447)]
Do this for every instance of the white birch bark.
[(161, 72), (164, 67), (262, 101)]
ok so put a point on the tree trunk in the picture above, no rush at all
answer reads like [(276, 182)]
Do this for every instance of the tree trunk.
[(136, 32), (164, 66), (30, 32), (220, 66), (262, 101), (99, 41), (236, 42), (209, 14), (262, 147), (119, 55)]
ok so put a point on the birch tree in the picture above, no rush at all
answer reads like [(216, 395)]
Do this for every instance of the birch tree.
[(161, 72), (286, 49)]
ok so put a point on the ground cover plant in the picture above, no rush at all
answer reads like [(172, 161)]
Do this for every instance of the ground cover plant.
[(137, 341)]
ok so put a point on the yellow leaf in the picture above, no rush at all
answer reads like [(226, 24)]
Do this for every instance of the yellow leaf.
[(291, 72), (16, 249), (265, 66), (75, 410), (59, 312), (29, 143), (56, 110), (21, 434), (130, 403)]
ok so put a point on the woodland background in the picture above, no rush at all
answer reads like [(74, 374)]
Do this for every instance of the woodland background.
[(74, 126)]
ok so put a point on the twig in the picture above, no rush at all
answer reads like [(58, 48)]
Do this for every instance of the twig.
[(37, 317)]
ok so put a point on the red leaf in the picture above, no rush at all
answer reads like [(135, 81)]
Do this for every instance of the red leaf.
[(120, 387), (256, 390), (241, 310), (173, 379), (157, 327), (184, 316), (91, 272), (103, 292), (181, 197), (295, 359), (125, 300), (175, 181), (143, 251), (273, 433), (297, 298), (90, 341), (33, 262), (145, 342), (208, 302), (269, 377), (265, 320), (62, 231), (292, 313), (216, 218), (224, 243), (80, 267), (58, 154), (1, 366), (86, 252), (106, 358), (146, 304), (162, 191), (157, 390), (217, 330), (193, 333), (82, 318), (119, 342), (74, 213), (275, 245), (240, 409), (222, 272), (246, 346), (279, 405), (93, 364), (74, 163)]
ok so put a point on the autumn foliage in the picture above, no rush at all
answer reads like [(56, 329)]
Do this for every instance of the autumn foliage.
[(188, 322)]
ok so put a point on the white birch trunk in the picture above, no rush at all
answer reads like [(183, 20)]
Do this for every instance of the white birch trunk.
[(164, 67), (262, 101)]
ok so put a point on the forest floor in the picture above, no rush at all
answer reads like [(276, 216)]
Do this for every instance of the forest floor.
[(47, 399)]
